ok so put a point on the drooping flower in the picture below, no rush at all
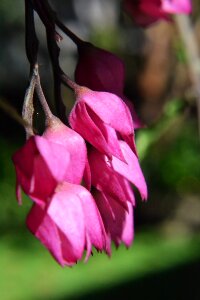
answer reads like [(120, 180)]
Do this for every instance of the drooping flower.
[(118, 221), (68, 224), (100, 117), (145, 12), (113, 176), (58, 155), (105, 73)]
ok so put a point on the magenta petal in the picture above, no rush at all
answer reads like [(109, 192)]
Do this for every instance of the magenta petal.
[(102, 137), (72, 144), (145, 12), (66, 212), (128, 230), (43, 227), (109, 108), (130, 140), (94, 228), (93, 222), (45, 230), (177, 6), (55, 156), (118, 222), (24, 165), (87, 176), (105, 179), (131, 170), (33, 175), (42, 182)]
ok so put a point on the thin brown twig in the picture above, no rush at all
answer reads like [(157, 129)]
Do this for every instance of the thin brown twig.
[(28, 108), (42, 98), (192, 52)]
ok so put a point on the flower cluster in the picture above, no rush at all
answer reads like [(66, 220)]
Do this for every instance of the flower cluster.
[(81, 178), (82, 194), (145, 12)]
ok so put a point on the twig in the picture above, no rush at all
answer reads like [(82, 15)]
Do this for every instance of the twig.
[(28, 109), (12, 112), (47, 17), (192, 52), (53, 16), (42, 98)]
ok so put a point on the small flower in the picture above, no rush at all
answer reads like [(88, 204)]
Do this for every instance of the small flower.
[(58, 155), (105, 73), (118, 221), (145, 12), (68, 224), (100, 117)]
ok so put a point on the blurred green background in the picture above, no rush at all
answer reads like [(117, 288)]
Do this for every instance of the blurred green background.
[(164, 261)]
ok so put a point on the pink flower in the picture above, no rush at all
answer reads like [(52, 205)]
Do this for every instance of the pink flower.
[(145, 12), (118, 221), (105, 73), (101, 117), (113, 176), (59, 155), (69, 224), (177, 6)]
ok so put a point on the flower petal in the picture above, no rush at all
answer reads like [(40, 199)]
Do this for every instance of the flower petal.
[(87, 123), (118, 222), (42, 226), (105, 179), (109, 108), (73, 144), (55, 156), (131, 170), (66, 212)]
